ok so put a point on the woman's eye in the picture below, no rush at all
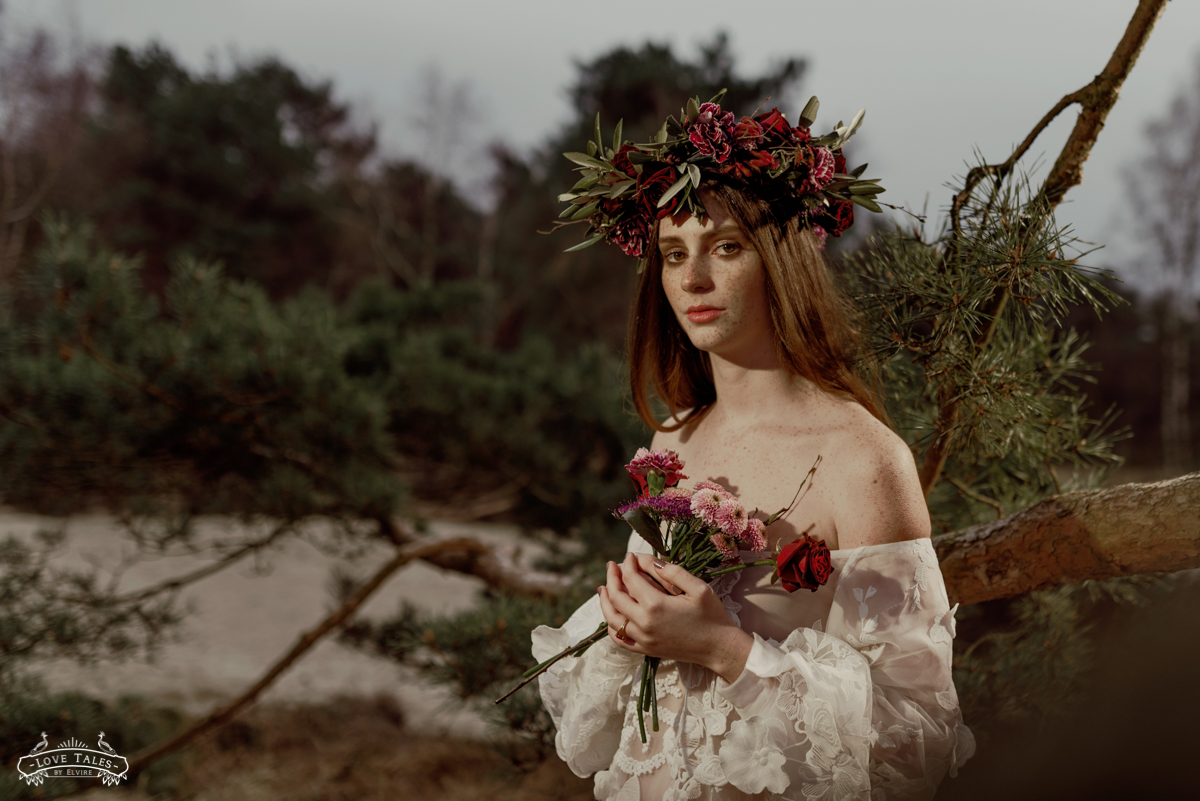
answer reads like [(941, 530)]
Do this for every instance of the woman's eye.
[(675, 256), (728, 248)]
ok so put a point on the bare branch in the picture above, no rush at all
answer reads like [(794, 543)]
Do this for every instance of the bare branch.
[(1122, 531)]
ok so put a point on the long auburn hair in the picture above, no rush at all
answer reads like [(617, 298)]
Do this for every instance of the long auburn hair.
[(814, 335)]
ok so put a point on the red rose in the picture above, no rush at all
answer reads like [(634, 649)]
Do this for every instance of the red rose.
[(839, 162), (622, 163), (773, 122), (837, 217), (653, 183), (804, 564)]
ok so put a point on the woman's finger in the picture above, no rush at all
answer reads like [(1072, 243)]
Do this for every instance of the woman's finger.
[(679, 577), (617, 623), (646, 563), (616, 592), (640, 586)]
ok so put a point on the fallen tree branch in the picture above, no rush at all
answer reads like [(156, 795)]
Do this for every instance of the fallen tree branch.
[(303, 645), (1122, 531), (498, 565)]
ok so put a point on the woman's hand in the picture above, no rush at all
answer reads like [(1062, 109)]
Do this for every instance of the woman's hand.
[(673, 615)]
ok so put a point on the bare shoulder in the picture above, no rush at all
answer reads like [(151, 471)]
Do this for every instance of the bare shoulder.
[(873, 482)]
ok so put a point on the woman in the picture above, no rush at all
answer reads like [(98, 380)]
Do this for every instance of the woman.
[(842, 693)]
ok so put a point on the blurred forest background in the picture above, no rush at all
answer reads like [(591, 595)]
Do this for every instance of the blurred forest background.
[(220, 298)]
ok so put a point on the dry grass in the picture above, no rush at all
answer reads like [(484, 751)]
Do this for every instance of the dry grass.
[(352, 749)]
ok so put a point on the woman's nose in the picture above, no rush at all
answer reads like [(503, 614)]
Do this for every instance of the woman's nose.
[(696, 276)]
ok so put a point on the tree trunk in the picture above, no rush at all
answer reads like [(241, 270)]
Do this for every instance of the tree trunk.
[(1176, 428), (1122, 531)]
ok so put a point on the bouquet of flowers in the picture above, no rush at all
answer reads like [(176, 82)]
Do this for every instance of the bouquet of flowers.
[(703, 530)]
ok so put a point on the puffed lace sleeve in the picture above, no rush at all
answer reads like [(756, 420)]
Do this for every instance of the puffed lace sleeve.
[(864, 709), (585, 695)]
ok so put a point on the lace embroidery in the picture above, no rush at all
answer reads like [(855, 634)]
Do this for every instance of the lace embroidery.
[(837, 711)]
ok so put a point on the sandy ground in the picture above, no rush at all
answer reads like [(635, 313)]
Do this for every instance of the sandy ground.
[(244, 618)]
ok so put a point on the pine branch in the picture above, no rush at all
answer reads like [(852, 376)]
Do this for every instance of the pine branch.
[(1122, 531), (1096, 100)]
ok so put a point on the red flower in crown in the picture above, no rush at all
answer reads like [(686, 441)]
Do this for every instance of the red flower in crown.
[(622, 163), (712, 132), (773, 122), (747, 134), (631, 235), (836, 217), (652, 185), (758, 161)]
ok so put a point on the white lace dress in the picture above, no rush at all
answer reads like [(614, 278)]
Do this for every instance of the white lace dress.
[(847, 693)]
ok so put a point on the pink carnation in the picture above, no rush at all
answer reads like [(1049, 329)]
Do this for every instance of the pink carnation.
[(731, 518), (712, 132), (677, 492), (821, 234), (754, 538), (665, 463)]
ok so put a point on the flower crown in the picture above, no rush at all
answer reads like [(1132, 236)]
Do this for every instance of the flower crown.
[(625, 189)]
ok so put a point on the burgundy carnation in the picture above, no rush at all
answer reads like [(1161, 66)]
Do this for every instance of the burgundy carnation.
[(804, 564), (652, 185), (631, 235), (712, 132), (822, 169)]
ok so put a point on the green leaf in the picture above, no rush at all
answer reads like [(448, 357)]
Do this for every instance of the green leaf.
[(591, 148), (866, 203), (584, 160), (586, 211), (617, 135), (675, 189), (693, 109), (865, 189), (859, 170), (586, 182), (661, 135), (585, 244), (619, 187), (645, 527), (809, 115), (694, 173), (566, 197), (719, 96), (599, 139), (638, 157)]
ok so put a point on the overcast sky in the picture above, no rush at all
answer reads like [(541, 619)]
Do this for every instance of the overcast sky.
[(938, 78)]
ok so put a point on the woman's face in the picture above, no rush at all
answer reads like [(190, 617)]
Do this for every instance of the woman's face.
[(716, 285)]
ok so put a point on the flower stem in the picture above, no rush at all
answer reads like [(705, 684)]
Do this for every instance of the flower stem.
[(733, 568), (573, 650)]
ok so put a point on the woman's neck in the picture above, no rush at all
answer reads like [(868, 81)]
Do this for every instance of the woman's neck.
[(750, 391)]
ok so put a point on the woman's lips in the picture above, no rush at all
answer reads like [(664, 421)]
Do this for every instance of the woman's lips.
[(703, 314)]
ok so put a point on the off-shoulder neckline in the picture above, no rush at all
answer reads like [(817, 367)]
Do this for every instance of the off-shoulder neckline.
[(885, 546)]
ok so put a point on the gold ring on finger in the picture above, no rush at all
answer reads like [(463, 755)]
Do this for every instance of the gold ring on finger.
[(621, 631)]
